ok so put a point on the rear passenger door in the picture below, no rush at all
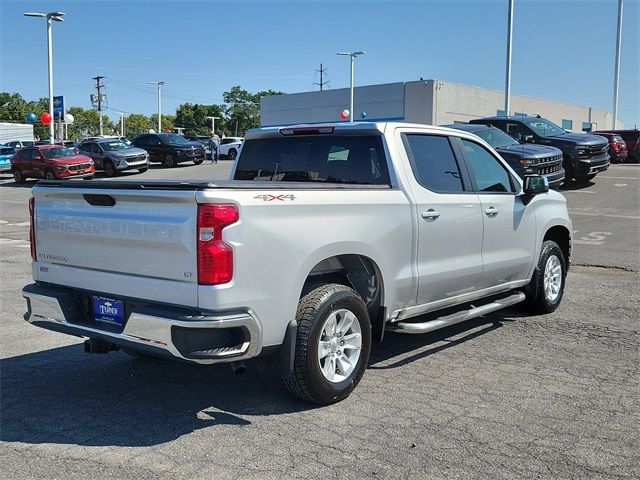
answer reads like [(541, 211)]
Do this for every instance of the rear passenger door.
[(508, 243), (449, 219)]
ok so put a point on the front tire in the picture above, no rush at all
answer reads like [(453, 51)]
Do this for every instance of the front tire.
[(232, 154), (49, 175), (110, 169), (333, 343), (142, 170), (545, 291), (198, 161)]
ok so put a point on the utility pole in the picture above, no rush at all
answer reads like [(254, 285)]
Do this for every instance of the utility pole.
[(322, 82), (213, 124), (159, 83), (98, 87), (616, 80), (507, 87)]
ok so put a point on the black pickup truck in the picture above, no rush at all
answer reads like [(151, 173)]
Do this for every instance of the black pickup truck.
[(524, 159), (584, 155)]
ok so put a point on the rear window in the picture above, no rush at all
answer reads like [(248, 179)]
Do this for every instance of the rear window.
[(326, 159), (7, 151)]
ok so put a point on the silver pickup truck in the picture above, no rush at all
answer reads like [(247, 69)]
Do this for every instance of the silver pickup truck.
[(325, 237)]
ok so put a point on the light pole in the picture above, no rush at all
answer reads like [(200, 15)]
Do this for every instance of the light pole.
[(57, 17), (213, 124), (616, 80), (507, 87), (159, 83), (353, 56), (121, 123)]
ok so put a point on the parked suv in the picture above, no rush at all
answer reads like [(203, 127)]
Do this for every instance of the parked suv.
[(170, 148), (18, 144), (50, 162), (617, 147), (114, 156), (229, 147), (6, 154), (584, 155), (524, 159), (631, 138)]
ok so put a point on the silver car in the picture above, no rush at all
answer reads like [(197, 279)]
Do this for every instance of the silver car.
[(114, 156)]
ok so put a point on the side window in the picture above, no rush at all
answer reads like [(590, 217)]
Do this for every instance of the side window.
[(153, 140), (27, 153), (517, 131), (143, 140), (433, 163), (489, 174)]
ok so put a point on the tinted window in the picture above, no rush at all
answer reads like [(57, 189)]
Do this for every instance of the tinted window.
[(328, 159), (433, 163), (517, 131), (10, 151), (224, 141), (488, 172), (27, 153), (57, 152)]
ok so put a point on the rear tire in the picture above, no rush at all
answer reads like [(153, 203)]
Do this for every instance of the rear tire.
[(142, 170), (17, 176), (49, 175), (232, 154), (333, 343), (110, 169), (545, 291), (198, 161), (168, 161)]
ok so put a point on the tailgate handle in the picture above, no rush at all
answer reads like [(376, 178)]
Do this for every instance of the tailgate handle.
[(99, 200)]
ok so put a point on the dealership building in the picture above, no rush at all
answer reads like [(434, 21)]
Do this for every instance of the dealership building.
[(431, 102)]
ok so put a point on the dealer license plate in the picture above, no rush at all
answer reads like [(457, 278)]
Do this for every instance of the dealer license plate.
[(108, 310)]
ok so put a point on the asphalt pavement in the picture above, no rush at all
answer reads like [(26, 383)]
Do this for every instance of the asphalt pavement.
[(504, 396)]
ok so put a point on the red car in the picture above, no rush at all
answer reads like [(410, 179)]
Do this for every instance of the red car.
[(50, 162), (617, 147), (631, 138)]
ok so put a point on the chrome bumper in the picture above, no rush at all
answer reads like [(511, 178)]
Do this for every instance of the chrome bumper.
[(151, 328)]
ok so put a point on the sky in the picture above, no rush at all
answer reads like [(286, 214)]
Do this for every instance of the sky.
[(563, 50)]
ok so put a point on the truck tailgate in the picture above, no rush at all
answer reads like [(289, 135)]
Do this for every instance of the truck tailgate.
[(130, 242)]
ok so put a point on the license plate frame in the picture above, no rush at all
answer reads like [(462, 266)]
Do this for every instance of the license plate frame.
[(109, 311)]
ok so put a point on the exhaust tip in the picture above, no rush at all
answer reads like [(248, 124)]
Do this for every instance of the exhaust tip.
[(238, 368)]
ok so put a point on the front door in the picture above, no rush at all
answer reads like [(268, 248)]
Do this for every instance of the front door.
[(508, 245), (449, 220)]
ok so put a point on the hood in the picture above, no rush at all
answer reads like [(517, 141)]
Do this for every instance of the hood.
[(128, 152), (529, 150), (69, 160), (580, 139)]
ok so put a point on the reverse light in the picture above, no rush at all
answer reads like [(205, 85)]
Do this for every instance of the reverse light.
[(215, 257), (32, 228)]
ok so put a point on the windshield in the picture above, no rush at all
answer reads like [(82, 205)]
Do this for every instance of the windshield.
[(57, 152), (545, 128), (172, 139), (113, 146), (496, 138)]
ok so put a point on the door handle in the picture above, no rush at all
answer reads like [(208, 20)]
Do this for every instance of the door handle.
[(431, 214), (492, 211)]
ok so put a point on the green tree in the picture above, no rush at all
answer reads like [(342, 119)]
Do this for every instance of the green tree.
[(243, 109), (14, 109), (193, 118), (87, 123), (168, 122), (135, 124)]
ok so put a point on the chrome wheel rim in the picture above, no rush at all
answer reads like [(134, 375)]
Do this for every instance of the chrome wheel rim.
[(339, 345), (552, 278)]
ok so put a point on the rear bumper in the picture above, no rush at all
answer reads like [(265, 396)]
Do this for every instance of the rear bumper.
[(190, 335)]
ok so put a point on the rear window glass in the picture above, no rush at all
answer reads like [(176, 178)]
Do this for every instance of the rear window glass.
[(327, 159), (7, 151)]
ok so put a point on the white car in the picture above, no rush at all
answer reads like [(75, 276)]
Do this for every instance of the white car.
[(229, 147)]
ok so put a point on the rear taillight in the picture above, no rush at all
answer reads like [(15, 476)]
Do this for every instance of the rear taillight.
[(32, 227), (215, 257)]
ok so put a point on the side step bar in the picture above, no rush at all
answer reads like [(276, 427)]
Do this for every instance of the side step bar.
[(457, 317)]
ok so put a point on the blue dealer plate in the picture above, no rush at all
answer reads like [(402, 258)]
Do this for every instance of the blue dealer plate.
[(108, 310)]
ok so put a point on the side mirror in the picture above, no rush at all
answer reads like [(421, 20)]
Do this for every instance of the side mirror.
[(527, 138), (535, 185)]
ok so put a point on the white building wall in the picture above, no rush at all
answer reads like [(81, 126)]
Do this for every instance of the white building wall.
[(15, 131)]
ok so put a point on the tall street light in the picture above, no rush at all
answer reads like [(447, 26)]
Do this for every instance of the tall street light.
[(353, 56), (616, 80), (122, 114), (213, 124), (159, 83), (507, 87), (56, 17)]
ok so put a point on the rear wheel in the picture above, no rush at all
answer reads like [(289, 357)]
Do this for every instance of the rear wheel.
[(49, 175), (17, 176), (110, 169), (198, 161), (169, 161), (333, 343), (545, 291), (233, 154), (142, 170)]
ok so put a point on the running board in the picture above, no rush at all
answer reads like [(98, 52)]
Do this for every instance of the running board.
[(457, 317)]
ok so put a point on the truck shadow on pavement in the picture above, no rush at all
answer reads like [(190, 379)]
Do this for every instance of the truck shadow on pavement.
[(66, 396)]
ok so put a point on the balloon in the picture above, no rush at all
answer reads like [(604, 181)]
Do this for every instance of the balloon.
[(344, 114), (31, 118), (45, 118), (68, 118), (363, 115)]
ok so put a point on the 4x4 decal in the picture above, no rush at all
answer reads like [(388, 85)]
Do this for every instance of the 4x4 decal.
[(270, 198)]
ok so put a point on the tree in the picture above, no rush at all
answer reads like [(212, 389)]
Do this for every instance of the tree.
[(168, 122), (243, 109), (136, 123), (14, 109), (87, 123), (193, 118)]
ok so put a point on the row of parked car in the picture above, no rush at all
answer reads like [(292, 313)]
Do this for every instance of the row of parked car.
[(112, 155)]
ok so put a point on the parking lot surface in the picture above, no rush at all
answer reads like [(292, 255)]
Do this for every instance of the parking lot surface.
[(503, 396)]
